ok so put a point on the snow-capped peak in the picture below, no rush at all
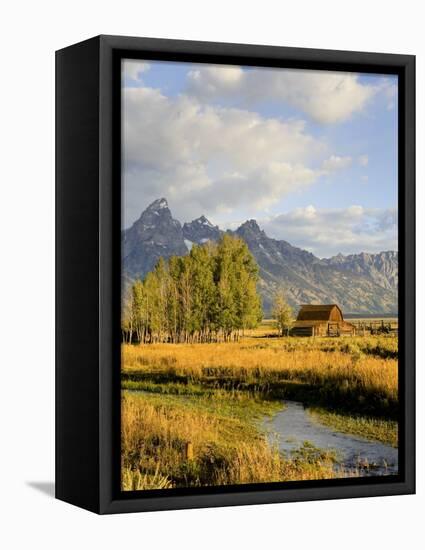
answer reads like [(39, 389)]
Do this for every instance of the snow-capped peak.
[(204, 221), (159, 204)]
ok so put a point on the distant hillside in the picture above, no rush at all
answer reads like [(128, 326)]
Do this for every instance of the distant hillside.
[(359, 283)]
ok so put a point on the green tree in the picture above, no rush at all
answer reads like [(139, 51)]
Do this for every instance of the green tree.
[(209, 295), (204, 292), (282, 312), (138, 310), (127, 315)]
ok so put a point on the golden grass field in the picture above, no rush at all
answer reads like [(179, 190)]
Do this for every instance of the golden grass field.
[(212, 397)]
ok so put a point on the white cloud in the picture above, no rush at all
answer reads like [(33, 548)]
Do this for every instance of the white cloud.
[(326, 232), (336, 163), (390, 90), (327, 97), (363, 160), (216, 78), (133, 68), (209, 159)]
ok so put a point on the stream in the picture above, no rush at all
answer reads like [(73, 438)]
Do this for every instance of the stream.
[(293, 426)]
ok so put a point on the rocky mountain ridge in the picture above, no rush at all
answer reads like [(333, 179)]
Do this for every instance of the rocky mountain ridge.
[(360, 283)]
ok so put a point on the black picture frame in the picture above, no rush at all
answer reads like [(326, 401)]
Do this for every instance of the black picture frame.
[(88, 272)]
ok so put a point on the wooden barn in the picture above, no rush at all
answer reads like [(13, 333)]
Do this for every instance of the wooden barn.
[(321, 320)]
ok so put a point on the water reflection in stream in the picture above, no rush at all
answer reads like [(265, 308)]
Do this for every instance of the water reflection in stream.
[(293, 425)]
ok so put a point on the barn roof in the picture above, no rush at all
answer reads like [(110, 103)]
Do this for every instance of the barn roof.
[(320, 312), (309, 323)]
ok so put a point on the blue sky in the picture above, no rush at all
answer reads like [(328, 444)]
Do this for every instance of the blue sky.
[(311, 155)]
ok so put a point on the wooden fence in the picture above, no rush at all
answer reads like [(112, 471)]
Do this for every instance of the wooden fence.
[(375, 326)]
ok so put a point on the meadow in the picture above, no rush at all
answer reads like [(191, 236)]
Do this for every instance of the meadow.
[(191, 413)]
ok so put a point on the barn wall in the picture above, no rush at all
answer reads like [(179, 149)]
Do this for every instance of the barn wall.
[(332, 328), (335, 315)]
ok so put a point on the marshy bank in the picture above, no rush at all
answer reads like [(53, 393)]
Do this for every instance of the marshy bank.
[(227, 448), (359, 376)]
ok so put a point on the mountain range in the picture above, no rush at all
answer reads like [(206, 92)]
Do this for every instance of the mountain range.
[(359, 283)]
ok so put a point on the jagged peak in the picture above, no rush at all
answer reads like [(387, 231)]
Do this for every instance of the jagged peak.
[(252, 225), (202, 220), (365, 255), (157, 208), (158, 204)]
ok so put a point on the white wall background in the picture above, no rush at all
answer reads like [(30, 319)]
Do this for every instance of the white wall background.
[(30, 32)]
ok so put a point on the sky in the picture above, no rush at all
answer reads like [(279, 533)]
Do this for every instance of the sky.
[(311, 155)]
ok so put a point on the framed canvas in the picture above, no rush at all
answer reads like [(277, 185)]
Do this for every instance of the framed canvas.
[(235, 274)]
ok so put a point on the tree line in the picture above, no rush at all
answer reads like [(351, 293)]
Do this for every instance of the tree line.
[(209, 295)]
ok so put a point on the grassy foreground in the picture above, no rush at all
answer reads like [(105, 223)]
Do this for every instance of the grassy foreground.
[(209, 398), (226, 444)]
